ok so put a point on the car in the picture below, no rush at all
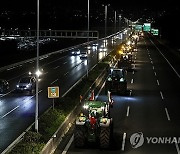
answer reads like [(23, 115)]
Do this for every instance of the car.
[(75, 52), (4, 85), (83, 55), (116, 81), (27, 83)]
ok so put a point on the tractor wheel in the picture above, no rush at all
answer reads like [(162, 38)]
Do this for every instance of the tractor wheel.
[(79, 136), (104, 137)]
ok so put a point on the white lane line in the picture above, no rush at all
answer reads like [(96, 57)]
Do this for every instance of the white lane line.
[(155, 73), (54, 81), (10, 111), (66, 74), (177, 148), (158, 82), (45, 73), (133, 72), (161, 95), (130, 93), (56, 67), (132, 81), (167, 60), (168, 117), (123, 142), (127, 114), (151, 62), (64, 62), (68, 145), (153, 67)]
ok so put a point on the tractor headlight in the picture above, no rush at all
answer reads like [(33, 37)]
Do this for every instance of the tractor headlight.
[(85, 106), (103, 120)]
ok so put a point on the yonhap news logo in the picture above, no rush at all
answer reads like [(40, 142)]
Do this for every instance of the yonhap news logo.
[(138, 139)]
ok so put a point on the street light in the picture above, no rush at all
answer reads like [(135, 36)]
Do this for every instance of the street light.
[(37, 68), (105, 20), (88, 38), (119, 22), (115, 22)]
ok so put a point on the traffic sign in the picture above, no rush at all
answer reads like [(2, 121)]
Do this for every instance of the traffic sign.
[(53, 92), (138, 28), (155, 31), (147, 27)]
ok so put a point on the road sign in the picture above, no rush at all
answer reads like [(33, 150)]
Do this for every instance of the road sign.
[(147, 27), (155, 31), (138, 28), (53, 92)]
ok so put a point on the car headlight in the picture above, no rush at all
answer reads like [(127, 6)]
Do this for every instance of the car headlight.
[(109, 79), (17, 86), (28, 85)]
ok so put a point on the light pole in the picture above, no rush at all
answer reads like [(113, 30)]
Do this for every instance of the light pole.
[(119, 22), (37, 68), (88, 38), (115, 22), (105, 20)]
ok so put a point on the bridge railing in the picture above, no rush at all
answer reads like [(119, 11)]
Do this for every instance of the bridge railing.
[(50, 33)]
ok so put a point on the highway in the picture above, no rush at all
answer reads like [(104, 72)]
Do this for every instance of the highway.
[(151, 111), (17, 110)]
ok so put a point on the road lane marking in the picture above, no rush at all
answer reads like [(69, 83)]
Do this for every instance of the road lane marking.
[(66, 73), (56, 67), (130, 93), (64, 62), (133, 72), (168, 117), (123, 142), (167, 60), (127, 114), (54, 81), (68, 145), (155, 74), (132, 81), (158, 82), (161, 95), (153, 67), (10, 112)]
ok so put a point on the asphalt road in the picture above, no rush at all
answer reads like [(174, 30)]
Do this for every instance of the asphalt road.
[(150, 112), (17, 111)]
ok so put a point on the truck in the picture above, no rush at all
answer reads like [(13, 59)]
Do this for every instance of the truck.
[(116, 81), (94, 124)]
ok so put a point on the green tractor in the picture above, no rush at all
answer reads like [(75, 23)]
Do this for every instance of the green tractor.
[(94, 124)]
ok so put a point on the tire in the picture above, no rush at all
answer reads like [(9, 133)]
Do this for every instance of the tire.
[(104, 137), (79, 136)]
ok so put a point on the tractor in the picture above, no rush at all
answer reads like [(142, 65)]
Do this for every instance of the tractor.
[(94, 124)]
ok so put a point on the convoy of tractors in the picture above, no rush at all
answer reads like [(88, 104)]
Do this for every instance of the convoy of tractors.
[(94, 124)]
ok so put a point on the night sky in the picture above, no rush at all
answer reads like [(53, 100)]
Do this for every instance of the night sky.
[(56, 14)]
